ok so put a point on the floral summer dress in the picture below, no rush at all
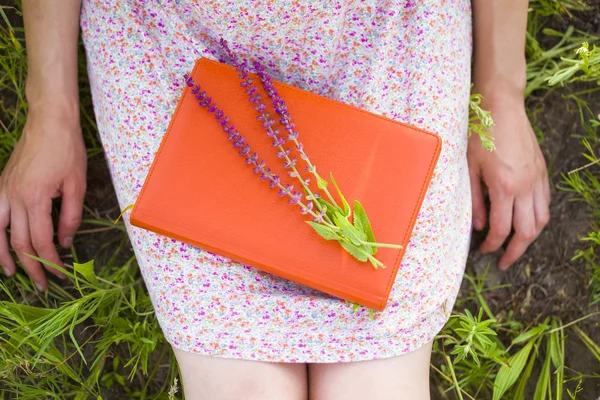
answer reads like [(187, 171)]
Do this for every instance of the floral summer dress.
[(407, 60)]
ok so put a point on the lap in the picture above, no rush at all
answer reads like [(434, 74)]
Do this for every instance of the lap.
[(137, 81)]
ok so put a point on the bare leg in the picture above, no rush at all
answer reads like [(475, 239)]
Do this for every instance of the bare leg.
[(212, 378), (396, 378)]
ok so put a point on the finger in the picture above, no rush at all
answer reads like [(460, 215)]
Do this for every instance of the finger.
[(542, 211), (479, 211), (21, 243), (42, 233), (501, 209), (525, 232), (8, 265), (70, 211), (545, 178), (546, 187)]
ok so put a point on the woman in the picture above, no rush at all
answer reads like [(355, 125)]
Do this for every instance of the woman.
[(273, 339)]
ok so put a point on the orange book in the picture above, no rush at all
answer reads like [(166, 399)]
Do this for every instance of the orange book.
[(201, 191)]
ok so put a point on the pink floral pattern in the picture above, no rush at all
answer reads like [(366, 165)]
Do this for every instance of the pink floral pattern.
[(408, 60)]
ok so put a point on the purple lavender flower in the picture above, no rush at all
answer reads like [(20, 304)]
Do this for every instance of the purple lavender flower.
[(307, 208), (282, 192), (252, 159), (265, 174), (290, 163), (283, 154), (274, 181), (245, 150), (295, 198), (278, 141), (320, 217)]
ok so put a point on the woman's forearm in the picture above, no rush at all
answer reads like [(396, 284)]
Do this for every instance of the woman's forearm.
[(499, 46), (51, 34), (515, 173)]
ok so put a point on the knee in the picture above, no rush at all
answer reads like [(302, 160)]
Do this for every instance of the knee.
[(210, 378), (237, 388), (234, 388)]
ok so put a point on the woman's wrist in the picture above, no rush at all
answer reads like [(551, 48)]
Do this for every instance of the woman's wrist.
[(61, 103), (500, 87), (62, 113), (491, 79)]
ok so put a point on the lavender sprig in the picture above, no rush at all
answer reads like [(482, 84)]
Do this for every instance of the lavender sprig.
[(286, 120), (244, 150), (278, 141)]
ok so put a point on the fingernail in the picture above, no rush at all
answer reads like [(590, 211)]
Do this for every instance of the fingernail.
[(40, 287), (477, 224), (68, 241), (6, 271)]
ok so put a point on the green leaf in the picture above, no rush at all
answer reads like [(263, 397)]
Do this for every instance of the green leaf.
[(543, 383), (356, 236), (344, 202), (87, 270), (119, 379), (507, 376), (331, 209), (555, 350), (25, 312), (325, 232), (356, 251), (361, 222), (530, 334), (321, 183), (557, 355), (519, 392)]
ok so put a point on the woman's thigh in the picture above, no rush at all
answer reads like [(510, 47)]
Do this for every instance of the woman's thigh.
[(210, 378), (396, 378)]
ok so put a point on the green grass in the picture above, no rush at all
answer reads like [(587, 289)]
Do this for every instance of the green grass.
[(97, 336)]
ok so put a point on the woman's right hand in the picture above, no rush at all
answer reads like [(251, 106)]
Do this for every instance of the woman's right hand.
[(48, 161)]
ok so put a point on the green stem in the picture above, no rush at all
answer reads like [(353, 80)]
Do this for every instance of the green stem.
[(313, 170), (376, 261), (331, 199), (392, 246), (454, 380), (300, 203)]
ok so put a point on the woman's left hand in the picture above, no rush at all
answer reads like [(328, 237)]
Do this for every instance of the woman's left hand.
[(516, 178)]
